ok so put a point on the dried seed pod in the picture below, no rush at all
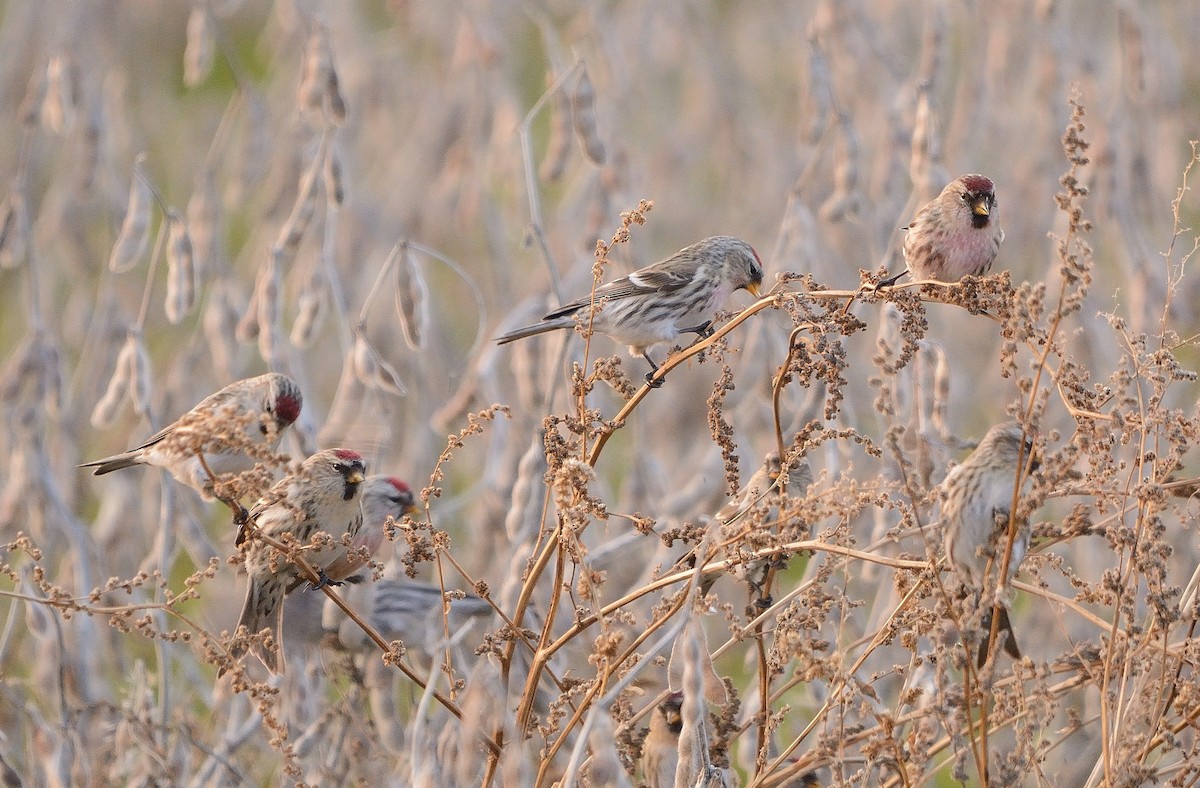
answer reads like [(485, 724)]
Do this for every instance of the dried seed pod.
[(135, 230), (347, 402), (335, 189), (220, 326), (257, 143), (199, 49), (411, 297), (293, 229), (139, 374), (181, 269), (202, 218), (583, 109), (558, 148), (247, 327), (313, 306), (318, 63), (118, 388), (58, 105), (365, 363), (14, 231), (269, 298), (373, 371), (35, 93), (337, 104)]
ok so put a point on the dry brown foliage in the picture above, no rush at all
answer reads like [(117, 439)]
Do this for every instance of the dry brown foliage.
[(586, 546)]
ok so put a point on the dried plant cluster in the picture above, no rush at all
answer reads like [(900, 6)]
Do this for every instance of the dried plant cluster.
[(736, 578)]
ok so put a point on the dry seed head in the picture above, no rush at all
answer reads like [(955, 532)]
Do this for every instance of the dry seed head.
[(200, 47), (181, 269), (411, 298), (583, 107), (135, 230)]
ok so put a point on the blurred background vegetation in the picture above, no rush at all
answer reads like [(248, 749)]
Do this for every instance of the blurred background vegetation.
[(812, 129)]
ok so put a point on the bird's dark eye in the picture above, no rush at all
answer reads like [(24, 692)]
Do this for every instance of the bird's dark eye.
[(262, 428), (337, 466)]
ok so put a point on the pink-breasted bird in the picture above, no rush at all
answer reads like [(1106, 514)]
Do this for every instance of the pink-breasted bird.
[(956, 234)]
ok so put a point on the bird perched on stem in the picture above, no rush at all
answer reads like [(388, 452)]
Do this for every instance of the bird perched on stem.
[(956, 234), (975, 515), (324, 494), (383, 497), (664, 300), (233, 429)]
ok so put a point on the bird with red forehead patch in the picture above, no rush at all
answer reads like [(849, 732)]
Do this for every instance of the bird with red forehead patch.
[(324, 494), (384, 498), (956, 234), (232, 428)]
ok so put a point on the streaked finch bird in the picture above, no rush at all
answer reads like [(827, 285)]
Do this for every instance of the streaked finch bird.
[(975, 517), (660, 750), (403, 609), (662, 301), (956, 234), (232, 428), (382, 497), (750, 521), (324, 494)]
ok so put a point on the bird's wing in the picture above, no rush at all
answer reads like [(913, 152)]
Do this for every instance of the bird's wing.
[(206, 405), (648, 280)]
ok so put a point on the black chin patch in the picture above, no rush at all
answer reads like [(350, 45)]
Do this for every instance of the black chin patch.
[(348, 493), (979, 221)]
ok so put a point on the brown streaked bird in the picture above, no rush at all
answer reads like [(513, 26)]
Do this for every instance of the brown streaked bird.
[(975, 515), (229, 427), (664, 300), (325, 494)]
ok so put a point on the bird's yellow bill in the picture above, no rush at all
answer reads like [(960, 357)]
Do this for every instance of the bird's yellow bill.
[(753, 288), (355, 478), (980, 208)]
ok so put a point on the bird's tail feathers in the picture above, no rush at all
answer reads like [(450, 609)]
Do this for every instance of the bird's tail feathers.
[(534, 330), (110, 464)]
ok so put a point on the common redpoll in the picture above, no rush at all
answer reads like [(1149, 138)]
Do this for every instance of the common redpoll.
[(750, 519), (403, 609), (956, 234), (382, 497), (325, 494), (662, 301), (975, 516), (233, 428), (660, 750)]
